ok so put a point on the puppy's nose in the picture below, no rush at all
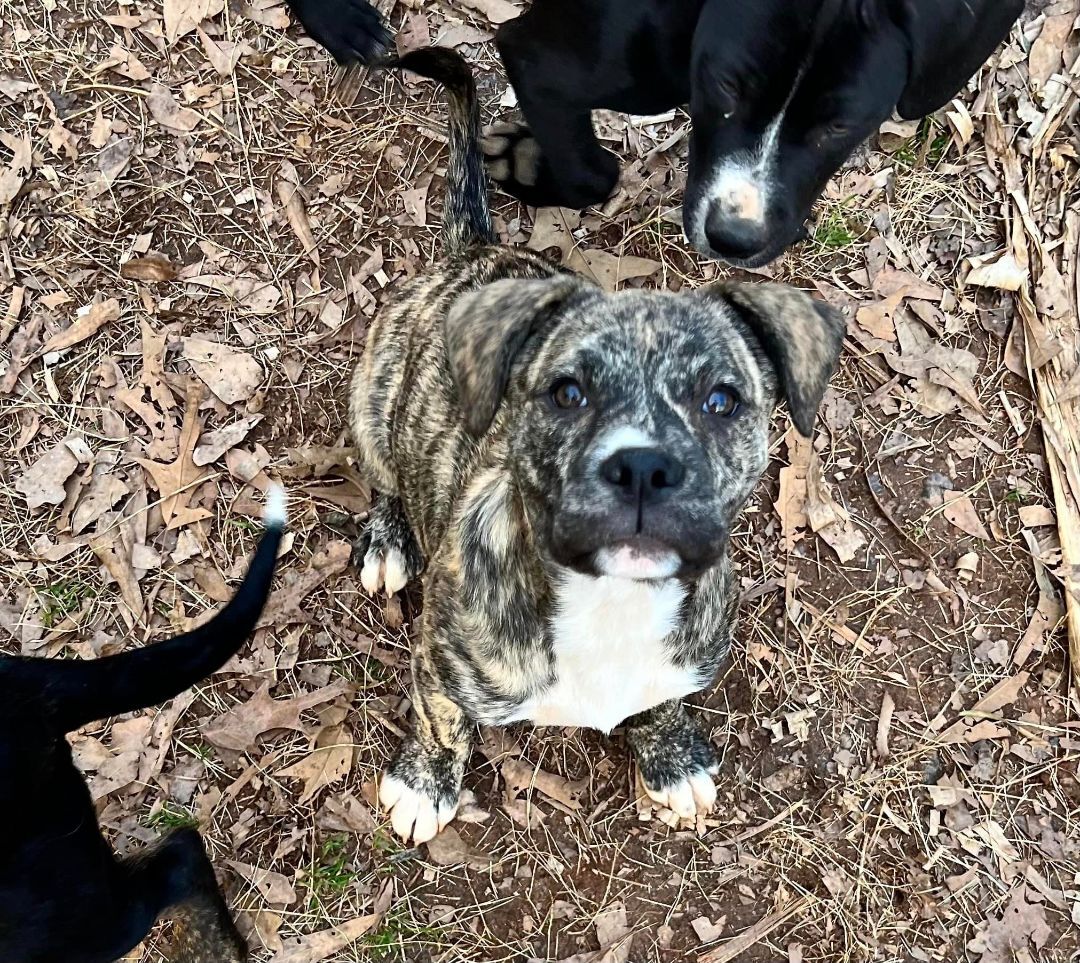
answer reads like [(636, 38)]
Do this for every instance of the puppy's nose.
[(735, 237), (642, 474)]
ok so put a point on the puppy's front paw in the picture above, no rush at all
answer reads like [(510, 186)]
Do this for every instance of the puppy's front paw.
[(420, 792), (386, 553), (691, 796), (677, 771)]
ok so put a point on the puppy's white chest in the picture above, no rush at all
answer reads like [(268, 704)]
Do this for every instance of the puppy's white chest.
[(610, 658)]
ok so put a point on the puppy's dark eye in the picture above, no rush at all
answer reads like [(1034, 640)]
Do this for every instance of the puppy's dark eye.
[(567, 393), (722, 401)]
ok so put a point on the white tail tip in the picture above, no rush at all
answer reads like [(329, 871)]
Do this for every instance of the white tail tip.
[(274, 514)]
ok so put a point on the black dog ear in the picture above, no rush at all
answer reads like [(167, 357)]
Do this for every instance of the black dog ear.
[(948, 41), (486, 328), (801, 336)]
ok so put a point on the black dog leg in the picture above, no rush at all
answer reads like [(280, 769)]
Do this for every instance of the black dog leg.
[(555, 161), (177, 875), (677, 762)]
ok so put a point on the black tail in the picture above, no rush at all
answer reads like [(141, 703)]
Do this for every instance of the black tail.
[(74, 693), (466, 218)]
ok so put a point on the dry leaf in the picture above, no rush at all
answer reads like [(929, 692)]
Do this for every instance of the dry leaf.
[(273, 887), (183, 16), (255, 295), (176, 481), (1003, 273), (346, 813), (43, 482), (318, 946), (521, 777), (232, 375), (223, 57), (293, 202), (241, 726), (329, 761), (90, 319), (553, 227), (216, 443), (496, 11), (14, 175), (167, 112), (960, 511), (607, 269), (104, 492), (449, 849), (1022, 923), (150, 267)]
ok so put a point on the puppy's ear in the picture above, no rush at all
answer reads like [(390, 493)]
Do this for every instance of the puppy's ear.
[(486, 328), (802, 337), (948, 41)]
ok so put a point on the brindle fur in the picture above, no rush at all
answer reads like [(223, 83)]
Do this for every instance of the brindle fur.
[(454, 428)]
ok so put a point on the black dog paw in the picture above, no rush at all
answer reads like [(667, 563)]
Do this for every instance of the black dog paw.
[(386, 551), (351, 30), (517, 163), (677, 765), (420, 791)]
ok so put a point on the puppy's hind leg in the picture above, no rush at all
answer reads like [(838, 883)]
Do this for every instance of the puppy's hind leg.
[(676, 761), (386, 552), (422, 785)]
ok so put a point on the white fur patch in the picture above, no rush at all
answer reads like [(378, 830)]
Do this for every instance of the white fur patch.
[(611, 659), (620, 437)]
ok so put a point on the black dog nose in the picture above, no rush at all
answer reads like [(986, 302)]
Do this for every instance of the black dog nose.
[(642, 474), (735, 237)]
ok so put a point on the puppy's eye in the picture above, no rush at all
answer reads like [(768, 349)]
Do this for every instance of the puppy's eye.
[(722, 401), (567, 393)]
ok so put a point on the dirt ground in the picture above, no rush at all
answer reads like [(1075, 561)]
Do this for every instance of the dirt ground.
[(200, 214)]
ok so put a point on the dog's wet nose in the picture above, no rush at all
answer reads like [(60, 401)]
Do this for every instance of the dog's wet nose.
[(642, 474), (735, 237)]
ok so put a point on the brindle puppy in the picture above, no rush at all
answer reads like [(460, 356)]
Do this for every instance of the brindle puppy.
[(568, 464)]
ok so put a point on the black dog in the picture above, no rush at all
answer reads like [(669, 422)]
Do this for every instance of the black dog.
[(780, 93), (64, 896)]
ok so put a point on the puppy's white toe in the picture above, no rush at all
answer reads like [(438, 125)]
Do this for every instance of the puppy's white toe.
[(412, 815), (704, 790), (395, 574), (371, 575), (390, 791), (446, 815), (658, 796)]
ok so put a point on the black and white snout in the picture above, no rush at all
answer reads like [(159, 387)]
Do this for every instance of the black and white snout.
[(642, 475), (733, 237)]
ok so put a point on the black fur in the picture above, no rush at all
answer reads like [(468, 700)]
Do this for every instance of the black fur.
[(64, 896)]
